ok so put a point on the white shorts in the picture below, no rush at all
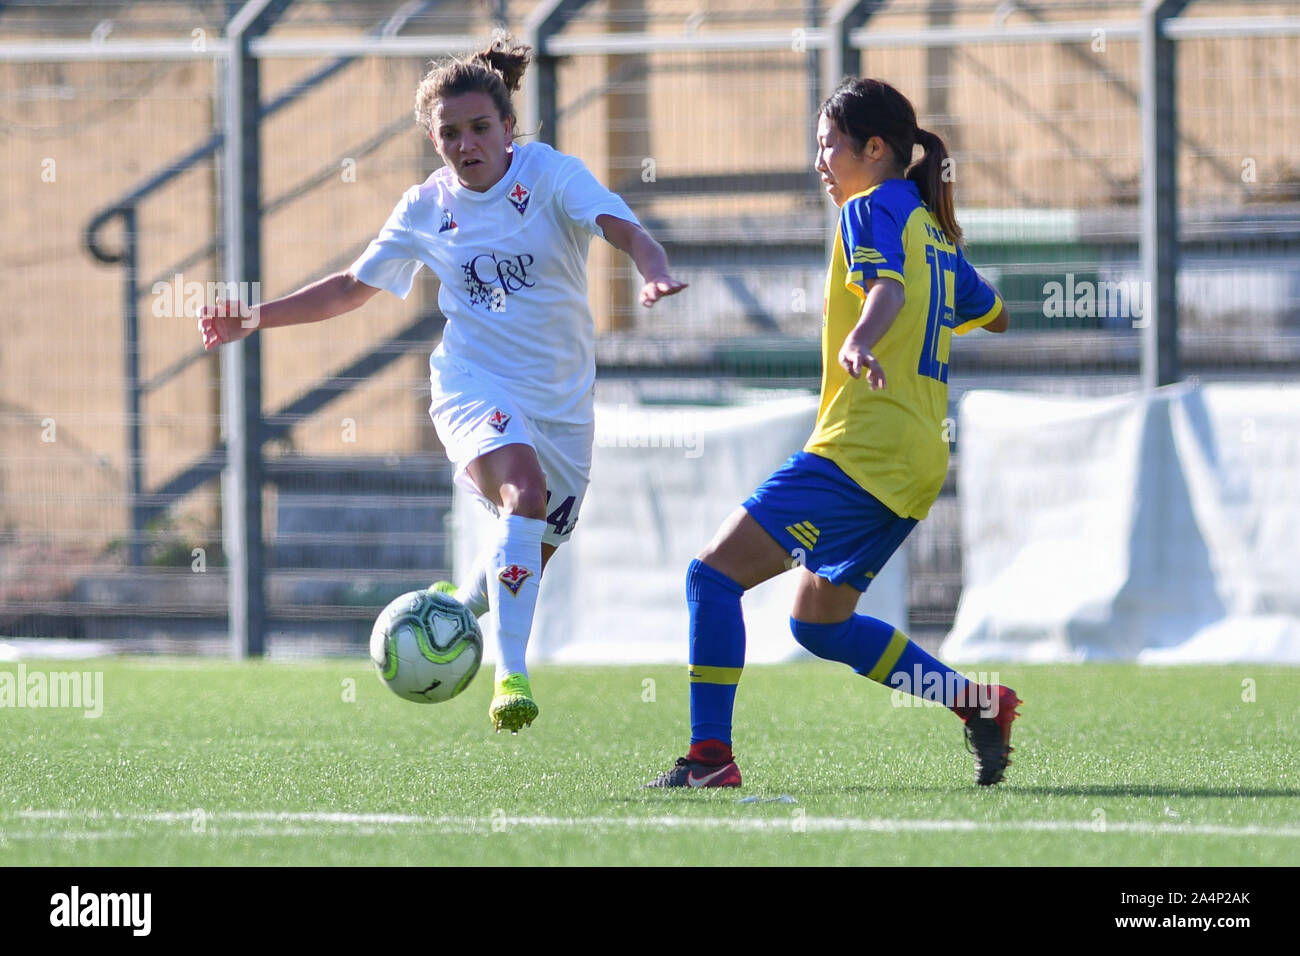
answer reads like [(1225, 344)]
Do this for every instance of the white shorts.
[(474, 416)]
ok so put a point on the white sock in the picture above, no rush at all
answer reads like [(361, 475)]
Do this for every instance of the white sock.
[(512, 589), (474, 592)]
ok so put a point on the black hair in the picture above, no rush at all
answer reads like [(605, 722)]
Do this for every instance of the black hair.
[(863, 108)]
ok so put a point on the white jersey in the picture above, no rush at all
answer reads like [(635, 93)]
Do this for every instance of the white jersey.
[(513, 266)]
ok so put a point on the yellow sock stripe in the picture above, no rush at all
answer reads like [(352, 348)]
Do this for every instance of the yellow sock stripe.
[(893, 651), (703, 674), (803, 536)]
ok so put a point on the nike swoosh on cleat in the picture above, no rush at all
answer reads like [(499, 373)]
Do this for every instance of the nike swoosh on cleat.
[(704, 781)]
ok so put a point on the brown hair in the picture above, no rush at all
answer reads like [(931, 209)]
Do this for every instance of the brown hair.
[(496, 70), (863, 108)]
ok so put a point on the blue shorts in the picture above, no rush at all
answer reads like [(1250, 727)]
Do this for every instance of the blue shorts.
[(827, 522)]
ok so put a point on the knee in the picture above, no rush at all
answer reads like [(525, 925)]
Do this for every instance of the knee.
[(525, 500), (702, 580), (820, 639)]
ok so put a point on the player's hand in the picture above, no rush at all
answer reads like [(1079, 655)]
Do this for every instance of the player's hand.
[(226, 322), (856, 360), (659, 286)]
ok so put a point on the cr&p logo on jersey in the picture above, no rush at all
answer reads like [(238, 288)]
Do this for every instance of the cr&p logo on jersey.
[(487, 272)]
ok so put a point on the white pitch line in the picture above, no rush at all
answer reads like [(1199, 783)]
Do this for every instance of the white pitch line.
[(175, 816), (260, 832), (373, 821)]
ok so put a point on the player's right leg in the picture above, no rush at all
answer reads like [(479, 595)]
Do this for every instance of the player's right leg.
[(490, 444), (511, 478), (533, 475), (473, 591), (741, 556)]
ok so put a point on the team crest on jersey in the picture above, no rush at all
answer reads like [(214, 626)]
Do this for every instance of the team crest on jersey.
[(499, 420), (519, 195), (447, 221), (514, 577)]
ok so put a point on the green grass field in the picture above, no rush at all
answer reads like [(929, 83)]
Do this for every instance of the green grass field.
[(195, 762)]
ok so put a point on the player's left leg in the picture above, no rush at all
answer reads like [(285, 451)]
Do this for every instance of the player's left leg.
[(824, 621)]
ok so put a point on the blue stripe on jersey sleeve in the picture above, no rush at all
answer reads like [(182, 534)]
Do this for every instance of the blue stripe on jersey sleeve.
[(871, 231)]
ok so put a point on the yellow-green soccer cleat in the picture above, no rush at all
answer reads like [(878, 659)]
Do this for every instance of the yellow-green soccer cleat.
[(513, 707), (445, 587)]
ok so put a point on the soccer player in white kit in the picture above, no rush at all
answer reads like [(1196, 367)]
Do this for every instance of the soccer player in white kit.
[(506, 228)]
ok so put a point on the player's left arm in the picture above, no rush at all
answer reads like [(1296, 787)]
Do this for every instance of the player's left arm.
[(1001, 321), (650, 259), (978, 303)]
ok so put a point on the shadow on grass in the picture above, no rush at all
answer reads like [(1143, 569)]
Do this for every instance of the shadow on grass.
[(1140, 791), (1011, 789)]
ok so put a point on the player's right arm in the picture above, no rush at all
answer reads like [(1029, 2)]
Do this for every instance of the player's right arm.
[(884, 301), (871, 237), (331, 296), (389, 262)]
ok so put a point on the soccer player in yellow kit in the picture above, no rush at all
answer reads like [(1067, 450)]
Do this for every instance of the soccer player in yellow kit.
[(898, 287)]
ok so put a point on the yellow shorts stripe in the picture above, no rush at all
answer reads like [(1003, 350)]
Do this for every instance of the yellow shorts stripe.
[(810, 528), (893, 651), (807, 540), (703, 674)]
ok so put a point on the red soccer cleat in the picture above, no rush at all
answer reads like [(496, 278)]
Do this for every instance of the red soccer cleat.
[(988, 734)]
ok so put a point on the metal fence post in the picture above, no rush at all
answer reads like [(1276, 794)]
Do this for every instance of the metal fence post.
[(1159, 238), (134, 422), (842, 57), (547, 19), (241, 365)]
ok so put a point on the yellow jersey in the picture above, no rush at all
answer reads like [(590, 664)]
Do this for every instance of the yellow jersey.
[(893, 441)]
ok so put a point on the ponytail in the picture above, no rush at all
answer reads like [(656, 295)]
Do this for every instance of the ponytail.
[(936, 191), (507, 61)]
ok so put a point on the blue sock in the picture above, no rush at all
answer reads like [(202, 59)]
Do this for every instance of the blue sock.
[(717, 650), (881, 652)]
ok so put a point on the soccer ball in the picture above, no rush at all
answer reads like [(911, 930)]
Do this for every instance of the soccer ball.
[(426, 646)]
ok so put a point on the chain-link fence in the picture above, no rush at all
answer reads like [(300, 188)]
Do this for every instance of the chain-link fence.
[(700, 114)]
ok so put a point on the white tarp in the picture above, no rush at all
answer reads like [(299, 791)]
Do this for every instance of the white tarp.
[(1162, 526), (662, 479)]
